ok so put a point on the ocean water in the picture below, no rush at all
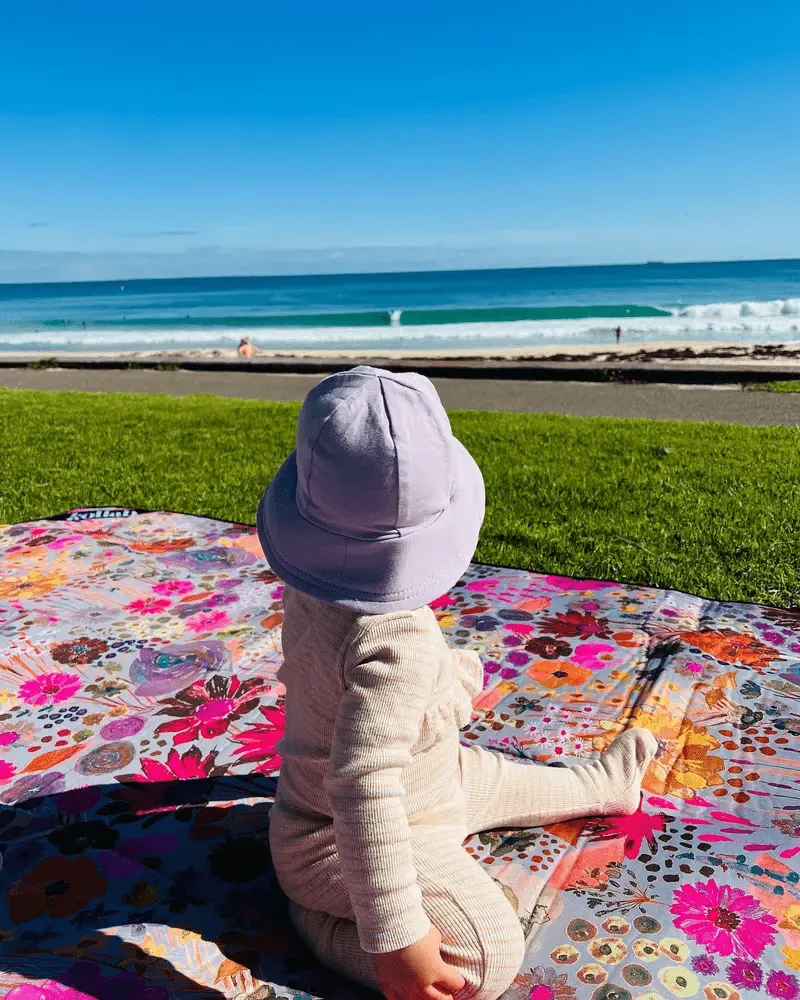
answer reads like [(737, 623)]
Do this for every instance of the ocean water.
[(744, 301)]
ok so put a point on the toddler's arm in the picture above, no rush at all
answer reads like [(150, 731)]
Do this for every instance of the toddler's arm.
[(470, 669), (388, 677)]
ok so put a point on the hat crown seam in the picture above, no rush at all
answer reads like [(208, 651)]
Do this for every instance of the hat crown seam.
[(396, 455)]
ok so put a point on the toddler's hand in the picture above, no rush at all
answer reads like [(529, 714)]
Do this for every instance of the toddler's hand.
[(418, 972)]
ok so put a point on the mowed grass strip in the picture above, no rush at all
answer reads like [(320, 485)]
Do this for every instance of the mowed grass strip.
[(793, 385), (712, 509)]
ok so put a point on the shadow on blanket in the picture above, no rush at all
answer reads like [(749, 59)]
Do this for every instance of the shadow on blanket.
[(195, 858)]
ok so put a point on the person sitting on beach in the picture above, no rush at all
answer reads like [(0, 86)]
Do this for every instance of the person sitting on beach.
[(245, 348), (374, 515)]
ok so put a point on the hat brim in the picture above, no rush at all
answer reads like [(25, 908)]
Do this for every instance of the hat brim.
[(396, 573)]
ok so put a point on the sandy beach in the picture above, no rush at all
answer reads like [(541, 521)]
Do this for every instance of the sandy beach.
[(661, 353)]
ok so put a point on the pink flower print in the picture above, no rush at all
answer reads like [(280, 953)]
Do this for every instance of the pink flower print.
[(191, 764), (596, 655), (705, 965), (48, 990), (745, 975), (12, 732), (783, 984), (445, 601), (209, 621), (567, 583), (149, 605), (481, 585), (207, 708), (259, 742), (636, 828), (48, 689), (62, 543), (519, 659), (519, 628), (7, 771), (724, 920), (548, 984), (167, 587)]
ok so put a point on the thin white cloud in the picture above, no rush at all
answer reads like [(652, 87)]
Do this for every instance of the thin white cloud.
[(158, 233)]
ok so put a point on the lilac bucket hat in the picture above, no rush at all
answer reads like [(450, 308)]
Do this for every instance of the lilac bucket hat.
[(379, 506)]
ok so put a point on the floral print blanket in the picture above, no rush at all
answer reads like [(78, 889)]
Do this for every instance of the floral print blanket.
[(139, 717)]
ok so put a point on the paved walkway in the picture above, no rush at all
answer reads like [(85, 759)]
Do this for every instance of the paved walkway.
[(584, 399)]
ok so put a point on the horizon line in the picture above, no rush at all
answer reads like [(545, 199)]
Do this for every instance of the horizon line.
[(356, 274)]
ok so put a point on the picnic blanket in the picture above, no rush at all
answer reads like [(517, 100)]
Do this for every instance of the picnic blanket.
[(139, 717)]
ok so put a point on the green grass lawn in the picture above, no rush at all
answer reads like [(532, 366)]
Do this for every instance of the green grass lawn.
[(712, 509), (793, 385)]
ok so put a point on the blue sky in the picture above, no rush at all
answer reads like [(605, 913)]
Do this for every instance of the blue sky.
[(181, 137)]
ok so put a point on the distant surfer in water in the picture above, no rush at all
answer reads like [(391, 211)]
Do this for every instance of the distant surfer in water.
[(619, 333), (245, 348)]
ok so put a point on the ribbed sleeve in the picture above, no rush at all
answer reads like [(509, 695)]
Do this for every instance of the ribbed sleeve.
[(469, 668), (387, 677)]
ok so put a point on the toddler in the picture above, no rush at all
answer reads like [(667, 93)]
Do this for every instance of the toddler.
[(374, 515)]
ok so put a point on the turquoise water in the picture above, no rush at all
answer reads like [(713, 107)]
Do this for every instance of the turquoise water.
[(747, 301)]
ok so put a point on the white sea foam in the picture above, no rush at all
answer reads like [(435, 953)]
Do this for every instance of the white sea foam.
[(733, 311), (747, 322)]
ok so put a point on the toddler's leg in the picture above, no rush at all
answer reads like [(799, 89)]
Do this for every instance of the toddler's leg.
[(334, 941), (505, 793), (481, 934)]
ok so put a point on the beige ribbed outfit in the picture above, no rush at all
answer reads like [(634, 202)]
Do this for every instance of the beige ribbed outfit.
[(376, 795)]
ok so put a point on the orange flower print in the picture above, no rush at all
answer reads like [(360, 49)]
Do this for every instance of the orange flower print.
[(683, 764), (168, 545), (556, 673), (629, 639), (58, 886), (31, 586), (733, 647), (446, 619)]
